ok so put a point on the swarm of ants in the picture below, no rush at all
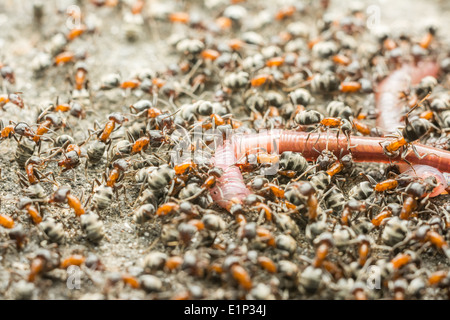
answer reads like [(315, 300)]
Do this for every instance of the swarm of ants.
[(273, 159)]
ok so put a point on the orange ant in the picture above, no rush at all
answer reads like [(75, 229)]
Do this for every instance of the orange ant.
[(13, 98), (80, 76), (130, 84), (261, 79), (114, 118), (7, 73), (414, 129), (72, 260), (350, 86), (33, 174), (27, 204), (6, 222), (8, 131), (179, 17), (119, 167), (351, 206), (324, 243), (44, 127), (238, 273), (210, 182), (63, 194), (44, 261)]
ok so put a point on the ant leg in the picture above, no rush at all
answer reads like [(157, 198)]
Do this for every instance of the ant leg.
[(96, 181), (349, 146), (96, 125), (307, 138), (131, 138), (349, 143), (417, 104), (172, 187), (410, 164), (125, 195), (423, 156), (39, 174), (22, 180), (139, 195), (314, 145), (39, 147), (109, 143), (326, 194), (116, 192), (195, 196), (192, 72), (53, 178), (304, 173), (314, 149), (338, 182), (142, 154), (337, 137), (86, 164)]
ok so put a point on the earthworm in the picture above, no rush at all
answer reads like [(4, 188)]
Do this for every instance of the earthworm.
[(423, 171), (230, 186), (389, 109), (363, 149), (388, 101)]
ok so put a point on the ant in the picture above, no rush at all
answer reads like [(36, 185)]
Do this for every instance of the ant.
[(414, 129), (8, 131), (7, 73), (73, 107), (113, 120), (27, 204), (209, 181), (297, 191), (110, 178), (114, 176), (51, 120), (72, 153), (33, 174), (324, 243), (13, 98), (351, 206), (63, 194)]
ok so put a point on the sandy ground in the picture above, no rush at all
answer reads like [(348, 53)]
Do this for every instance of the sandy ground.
[(125, 244)]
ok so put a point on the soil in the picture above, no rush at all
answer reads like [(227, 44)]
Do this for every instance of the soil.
[(126, 244)]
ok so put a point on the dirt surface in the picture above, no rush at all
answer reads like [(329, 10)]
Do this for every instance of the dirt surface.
[(126, 244)]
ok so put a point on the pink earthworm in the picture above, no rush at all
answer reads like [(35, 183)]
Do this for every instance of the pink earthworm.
[(388, 102), (363, 149), (423, 171), (230, 186), (390, 110)]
